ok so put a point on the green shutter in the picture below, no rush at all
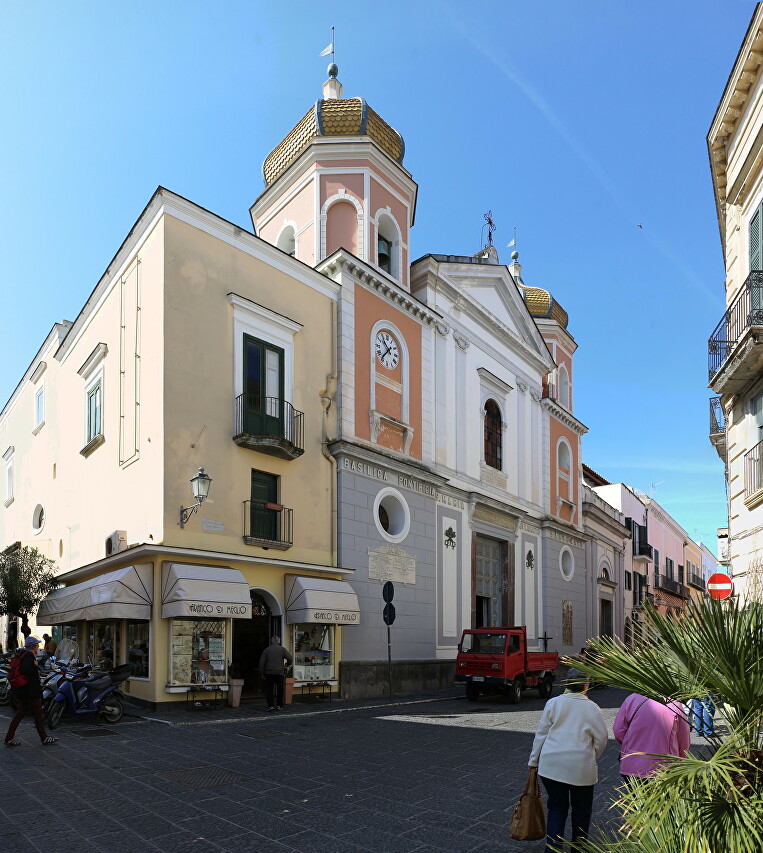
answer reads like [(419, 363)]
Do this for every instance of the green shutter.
[(756, 243)]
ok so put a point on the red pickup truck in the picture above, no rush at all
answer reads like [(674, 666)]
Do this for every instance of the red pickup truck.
[(496, 660)]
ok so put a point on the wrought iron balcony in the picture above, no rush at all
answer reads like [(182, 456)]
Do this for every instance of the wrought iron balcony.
[(753, 475), (642, 551), (268, 525), (270, 425), (669, 585), (734, 354), (718, 427), (695, 580)]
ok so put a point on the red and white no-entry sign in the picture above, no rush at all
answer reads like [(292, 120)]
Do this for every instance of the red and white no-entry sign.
[(719, 585)]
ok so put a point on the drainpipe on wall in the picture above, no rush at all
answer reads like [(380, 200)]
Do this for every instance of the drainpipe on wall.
[(327, 396)]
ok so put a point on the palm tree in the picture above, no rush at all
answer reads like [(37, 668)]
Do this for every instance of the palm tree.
[(710, 801)]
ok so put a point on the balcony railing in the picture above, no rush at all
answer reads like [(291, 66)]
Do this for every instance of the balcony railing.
[(753, 470), (717, 417), (695, 580), (642, 549), (268, 525), (743, 313), (670, 585), (270, 425)]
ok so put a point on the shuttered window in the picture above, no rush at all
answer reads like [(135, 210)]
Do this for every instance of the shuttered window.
[(756, 239)]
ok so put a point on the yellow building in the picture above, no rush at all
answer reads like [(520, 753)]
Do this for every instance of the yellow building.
[(202, 346)]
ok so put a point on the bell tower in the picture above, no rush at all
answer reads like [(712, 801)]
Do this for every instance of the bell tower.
[(337, 181)]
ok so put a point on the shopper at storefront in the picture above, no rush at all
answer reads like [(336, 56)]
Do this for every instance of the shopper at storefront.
[(29, 696), (273, 668)]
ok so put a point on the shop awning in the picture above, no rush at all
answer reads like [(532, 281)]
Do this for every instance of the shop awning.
[(123, 594), (212, 592), (320, 600)]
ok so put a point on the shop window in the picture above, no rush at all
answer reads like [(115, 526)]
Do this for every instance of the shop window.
[(493, 435), (198, 651), (104, 644), (313, 652), (138, 644)]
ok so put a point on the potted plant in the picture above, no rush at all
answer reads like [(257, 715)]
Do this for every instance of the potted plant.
[(288, 685), (235, 685)]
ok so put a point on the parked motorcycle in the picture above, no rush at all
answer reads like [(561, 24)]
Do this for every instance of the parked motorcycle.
[(80, 693)]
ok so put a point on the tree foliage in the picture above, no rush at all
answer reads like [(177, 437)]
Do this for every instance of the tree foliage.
[(711, 800), (26, 577)]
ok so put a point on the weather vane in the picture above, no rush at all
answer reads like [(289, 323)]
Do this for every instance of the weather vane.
[(490, 226)]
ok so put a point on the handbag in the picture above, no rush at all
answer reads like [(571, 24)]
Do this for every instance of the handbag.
[(528, 823)]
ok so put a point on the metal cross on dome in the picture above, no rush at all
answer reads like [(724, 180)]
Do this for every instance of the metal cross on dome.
[(490, 226)]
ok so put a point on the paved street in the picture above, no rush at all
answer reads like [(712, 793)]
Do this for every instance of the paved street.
[(425, 777)]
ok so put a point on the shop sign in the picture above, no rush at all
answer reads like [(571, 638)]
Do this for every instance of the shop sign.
[(202, 608), (212, 526), (339, 617)]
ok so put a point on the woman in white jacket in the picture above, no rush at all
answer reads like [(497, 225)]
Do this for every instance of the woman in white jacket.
[(570, 739)]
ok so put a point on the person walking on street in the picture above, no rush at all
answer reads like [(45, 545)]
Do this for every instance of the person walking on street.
[(646, 730), (702, 714), (50, 644), (570, 739), (272, 667), (29, 696)]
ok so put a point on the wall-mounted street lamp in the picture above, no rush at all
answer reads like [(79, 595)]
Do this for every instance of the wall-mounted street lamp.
[(200, 485)]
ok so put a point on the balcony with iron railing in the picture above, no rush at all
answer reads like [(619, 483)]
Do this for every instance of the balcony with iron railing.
[(753, 476), (268, 525), (667, 584), (735, 348), (642, 551), (269, 425), (718, 426), (695, 580)]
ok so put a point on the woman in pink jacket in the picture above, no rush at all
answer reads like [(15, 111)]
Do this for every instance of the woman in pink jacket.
[(645, 726)]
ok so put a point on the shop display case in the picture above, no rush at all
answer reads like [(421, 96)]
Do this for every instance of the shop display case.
[(314, 652)]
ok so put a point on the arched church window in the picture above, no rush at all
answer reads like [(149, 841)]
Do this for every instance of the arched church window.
[(563, 456), (287, 240), (493, 435)]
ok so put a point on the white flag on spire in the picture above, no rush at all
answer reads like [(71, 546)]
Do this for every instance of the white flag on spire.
[(326, 51), (512, 243)]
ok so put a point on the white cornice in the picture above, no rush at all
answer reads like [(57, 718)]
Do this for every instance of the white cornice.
[(286, 323), (564, 416), (327, 148), (731, 109), (540, 358), (143, 552), (93, 360), (38, 371), (166, 203), (363, 273)]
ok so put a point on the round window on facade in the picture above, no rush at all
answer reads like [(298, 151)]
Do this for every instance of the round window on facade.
[(567, 564), (392, 515), (38, 518)]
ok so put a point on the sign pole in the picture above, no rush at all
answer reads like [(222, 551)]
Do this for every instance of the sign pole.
[(389, 658)]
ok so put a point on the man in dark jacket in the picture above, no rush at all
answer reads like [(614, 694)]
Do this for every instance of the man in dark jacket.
[(29, 696), (272, 667)]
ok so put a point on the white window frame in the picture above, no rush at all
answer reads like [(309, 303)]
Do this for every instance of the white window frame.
[(93, 373), (566, 550), (8, 458), (252, 319), (39, 409)]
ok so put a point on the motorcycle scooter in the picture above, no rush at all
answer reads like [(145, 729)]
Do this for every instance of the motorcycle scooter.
[(96, 693)]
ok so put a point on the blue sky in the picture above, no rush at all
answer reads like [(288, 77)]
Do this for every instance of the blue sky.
[(574, 122)]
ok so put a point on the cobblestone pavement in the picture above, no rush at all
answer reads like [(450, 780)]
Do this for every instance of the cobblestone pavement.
[(418, 777)]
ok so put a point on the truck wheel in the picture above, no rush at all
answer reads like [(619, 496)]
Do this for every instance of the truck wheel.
[(545, 688), (515, 692), (472, 692)]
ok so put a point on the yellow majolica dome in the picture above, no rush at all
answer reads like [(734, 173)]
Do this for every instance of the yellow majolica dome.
[(333, 117), (540, 303)]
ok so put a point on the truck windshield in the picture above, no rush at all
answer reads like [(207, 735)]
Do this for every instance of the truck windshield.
[(483, 644)]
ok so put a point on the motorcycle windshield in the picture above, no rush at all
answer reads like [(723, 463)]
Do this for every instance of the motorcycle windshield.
[(67, 651)]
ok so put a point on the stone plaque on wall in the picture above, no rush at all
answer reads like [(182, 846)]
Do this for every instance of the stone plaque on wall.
[(482, 513), (390, 563)]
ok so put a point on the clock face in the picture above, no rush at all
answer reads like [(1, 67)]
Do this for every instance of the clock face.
[(386, 350)]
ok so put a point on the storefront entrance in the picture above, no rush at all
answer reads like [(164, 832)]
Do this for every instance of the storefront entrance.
[(250, 638)]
